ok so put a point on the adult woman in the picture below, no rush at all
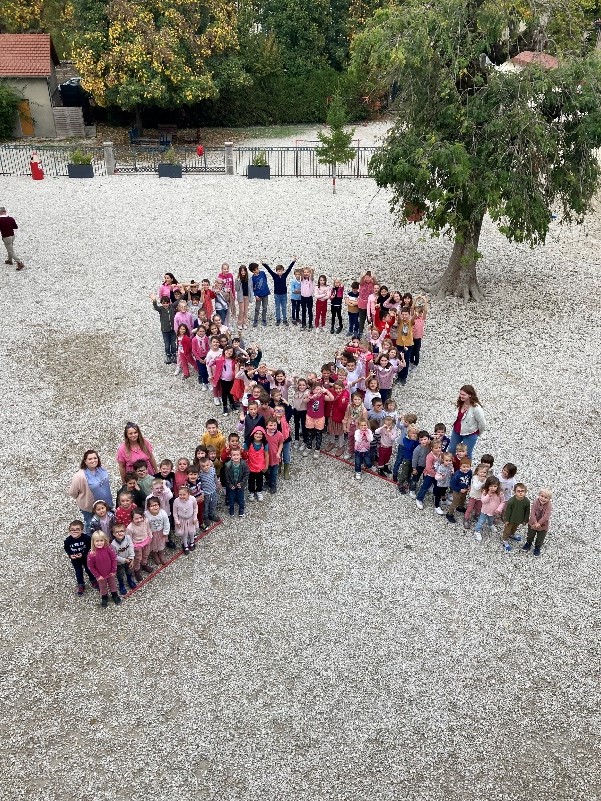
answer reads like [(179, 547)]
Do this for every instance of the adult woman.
[(244, 293), (470, 421), (167, 287), (133, 448), (90, 483)]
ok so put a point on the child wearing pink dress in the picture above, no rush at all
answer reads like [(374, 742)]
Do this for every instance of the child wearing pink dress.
[(141, 536), (185, 515)]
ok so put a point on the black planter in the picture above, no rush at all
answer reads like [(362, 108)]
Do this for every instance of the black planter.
[(170, 170), (80, 170), (254, 171)]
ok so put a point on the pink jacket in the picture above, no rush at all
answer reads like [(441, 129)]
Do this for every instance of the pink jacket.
[(492, 503), (200, 347), (183, 318), (102, 561), (540, 513), (322, 292)]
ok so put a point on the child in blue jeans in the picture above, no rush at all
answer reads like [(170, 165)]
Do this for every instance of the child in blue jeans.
[(363, 440)]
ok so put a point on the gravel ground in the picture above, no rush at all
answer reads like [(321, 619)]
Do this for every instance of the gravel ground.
[(337, 643)]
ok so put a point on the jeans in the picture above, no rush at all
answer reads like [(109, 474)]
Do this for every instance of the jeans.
[(397, 463), (281, 301), (79, 565), (286, 452), (307, 310), (362, 459), (87, 519), (428, 482), (210, 503), (272, 475), (469, 440), (417, 346), (385, 394), (170, 343), (488, 519), (235, 495), (296, 304), (336, 315), (203, 373), (414, 480), (261, 305), (405, 370), (353, 323)]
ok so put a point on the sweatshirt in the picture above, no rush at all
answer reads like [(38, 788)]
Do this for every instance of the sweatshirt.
[(260, 286), (443, 475), (295, 287), (229, 474), (158, 522), (124, 549), (102, 562), (387, 437), (540, 513), (279, 281), (420, 454), (408, 445), (492, 502), (517, 511), (461, 481), (77, 545), (166, 315)]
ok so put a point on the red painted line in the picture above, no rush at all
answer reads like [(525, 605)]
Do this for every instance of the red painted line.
[(373, 473), (174, 558)]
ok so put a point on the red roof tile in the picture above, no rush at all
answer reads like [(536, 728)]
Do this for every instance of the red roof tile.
[(26, 55)]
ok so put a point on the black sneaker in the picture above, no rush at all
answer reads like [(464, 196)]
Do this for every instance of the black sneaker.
[(303, 327), (451, 518), (285, 322), (185, 549), (277, 322), (171, 545), (116, 598), (527, 546), (104, 602), (215, 519), (192, 545)]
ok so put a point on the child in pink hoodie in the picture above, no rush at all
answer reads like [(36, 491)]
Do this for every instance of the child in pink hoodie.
[(102, 563), (492, 502)]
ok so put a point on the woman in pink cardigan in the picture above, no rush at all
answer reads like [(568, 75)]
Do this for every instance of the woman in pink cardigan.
[(538, 523)]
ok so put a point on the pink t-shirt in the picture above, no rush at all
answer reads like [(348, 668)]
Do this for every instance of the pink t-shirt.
[(228, 280), (273, 440), (227, 371), (316, 407), (366, 288), (135, 453), (418, 327)]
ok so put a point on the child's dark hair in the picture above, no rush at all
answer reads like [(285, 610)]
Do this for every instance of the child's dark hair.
[(77, 523), (252, 266), (152, 499), (118, 527), (439, 427), (137, 511), (212, 422), (376, 399), (194, 470), (130, 477), (327, 366), (519, 485), (491, 481), (355, 285), (410, 418), (511, 469), (373, 424), (423, 433), (139, 463), (487, 459)]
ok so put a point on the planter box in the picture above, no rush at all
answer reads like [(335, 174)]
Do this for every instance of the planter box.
[(258, 172), (80, 170), (170, 170)]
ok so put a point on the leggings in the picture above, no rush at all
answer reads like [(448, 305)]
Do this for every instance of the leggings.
[(255, 482), (299, 424), (362, 319), (318, 438), (226, 392), (439, 495), (307, 309), (336, 315), (417, 346), (321, 308), (243, 311)]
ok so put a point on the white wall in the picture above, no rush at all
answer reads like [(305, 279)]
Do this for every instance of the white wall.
[(36, 91)]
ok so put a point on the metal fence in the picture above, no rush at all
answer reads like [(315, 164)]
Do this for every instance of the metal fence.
[(299, 162), (302, 162), (15, 159)]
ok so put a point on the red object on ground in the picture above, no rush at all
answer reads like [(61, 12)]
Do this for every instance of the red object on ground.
[(200, 151), (37, 173)]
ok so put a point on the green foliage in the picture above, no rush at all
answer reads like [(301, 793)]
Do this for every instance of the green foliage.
[(170, 157), (80, 157), (260, 159), (471, 139), (335, 146), (9, 103)]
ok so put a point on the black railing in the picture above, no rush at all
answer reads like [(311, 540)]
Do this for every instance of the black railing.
[(15, 159), (302, 162)]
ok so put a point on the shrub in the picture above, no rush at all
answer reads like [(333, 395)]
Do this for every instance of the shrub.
[(79, 157), (9, 103)]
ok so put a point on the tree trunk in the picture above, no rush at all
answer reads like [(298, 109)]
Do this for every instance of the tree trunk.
[(334, 178), (138, 118), (459, 279)]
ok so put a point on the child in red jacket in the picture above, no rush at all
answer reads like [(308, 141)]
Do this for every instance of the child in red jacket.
[(102, 563), (184, 350)]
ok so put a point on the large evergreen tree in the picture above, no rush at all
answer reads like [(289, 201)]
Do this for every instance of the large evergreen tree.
[(470, 139)]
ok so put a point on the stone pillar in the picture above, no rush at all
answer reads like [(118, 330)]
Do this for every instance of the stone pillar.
[(109, 158), (229, 158)]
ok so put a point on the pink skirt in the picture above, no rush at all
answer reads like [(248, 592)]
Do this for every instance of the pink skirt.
[(187, 526), (335, 429), (158, 541)]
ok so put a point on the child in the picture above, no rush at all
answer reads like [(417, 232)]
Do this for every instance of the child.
[(460, 484), (355, 413), (227, 277), (352, 308), (322, 294), (185, 515), (516, 512), (223, 372), (295, 297), (307, 290), (409, 443), (212, 437), (372, 391), (385, 372), (165, 472), (182, 317), (194, 486), (213, 353), (404, 341), (181, 474), (222, 301), (249, 421), (163, 494), (185, 360), (260, 291), (388, 436), (474, 501), (103, 519), (210, 484), (429, 474), (402, 424), (486, 459), (376, 412), (200, 348), (102, 563), (166, 311), (275, 442), (244, 294), (257, 458), (143, 479), (299, 412), (158, 521), (207, 296), (124, 551), (492, 502), (130, 485), (336, 419), (280, 290), (336, 298), (538, 522), (141, 536), (363, 438), (443, 475), (236, 474), (283, 426), (418, 461), (316, 417), (440, 434), (125, 509), (77, 546), (420, 312), (507, 480)]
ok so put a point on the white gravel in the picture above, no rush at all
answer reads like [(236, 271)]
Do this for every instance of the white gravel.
[(336, 644)]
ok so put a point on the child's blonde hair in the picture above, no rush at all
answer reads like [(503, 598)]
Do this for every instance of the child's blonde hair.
[(410, 418), (461, 446), (412, 429), (98, 535)]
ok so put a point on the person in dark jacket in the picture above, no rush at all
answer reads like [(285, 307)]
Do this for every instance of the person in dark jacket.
[(77, 547), (261, 292), (280, 290), (236, 481), (167, 311)]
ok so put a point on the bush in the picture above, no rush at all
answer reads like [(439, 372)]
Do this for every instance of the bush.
[(9, 103), (79, 157)]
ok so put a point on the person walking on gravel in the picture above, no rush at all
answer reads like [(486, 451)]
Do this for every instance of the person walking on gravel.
[(8, 226)]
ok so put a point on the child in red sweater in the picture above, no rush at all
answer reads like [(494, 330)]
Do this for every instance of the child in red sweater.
[(102, 563)]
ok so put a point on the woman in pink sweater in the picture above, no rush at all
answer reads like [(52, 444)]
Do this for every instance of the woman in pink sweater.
[(538, 523), (102, 563)]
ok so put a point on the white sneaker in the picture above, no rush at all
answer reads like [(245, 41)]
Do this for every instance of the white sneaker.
[(477, 536), (259, 496), (305, 451), (419, 504), (302, 447), (216, 401), (358, 476), (438, 510), (316, 455), (412, 494), (204, 387), (178, 370), (297, 444)]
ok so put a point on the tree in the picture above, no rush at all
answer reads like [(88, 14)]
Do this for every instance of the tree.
[(139, 53), (9, 103), (335, 147), (471, 139)]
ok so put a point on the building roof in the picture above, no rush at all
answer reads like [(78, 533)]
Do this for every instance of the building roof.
[(531, 57), (27, 55)]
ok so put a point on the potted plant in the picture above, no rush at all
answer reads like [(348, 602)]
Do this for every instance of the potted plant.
[(80, 165), (170, 166), (259, 166)]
